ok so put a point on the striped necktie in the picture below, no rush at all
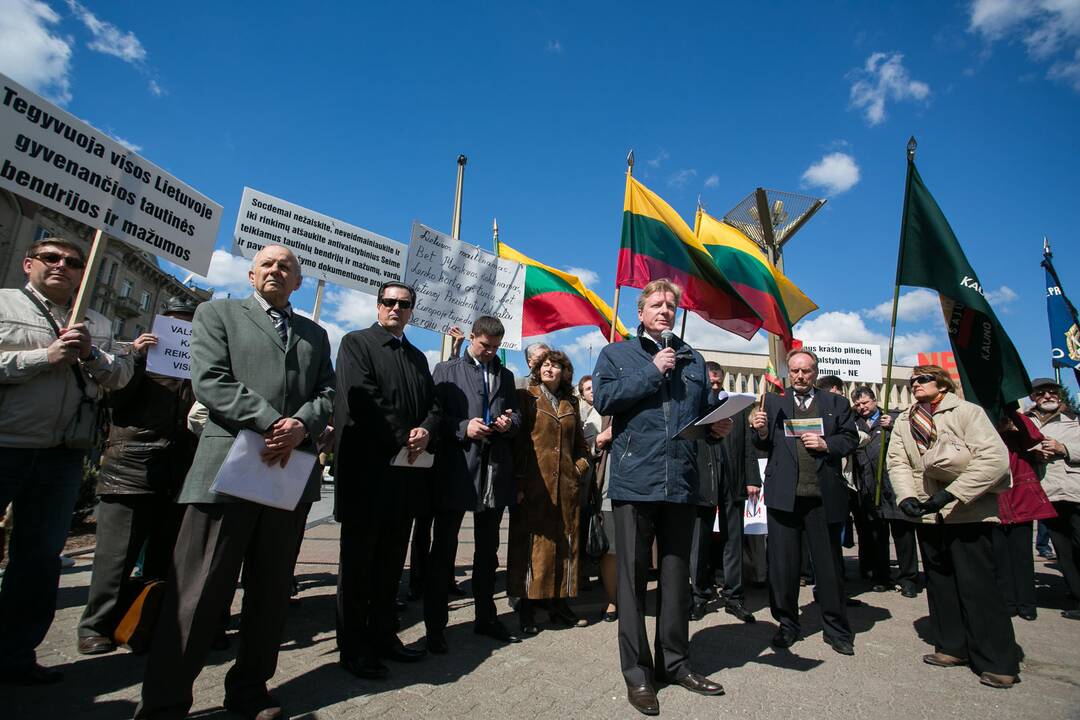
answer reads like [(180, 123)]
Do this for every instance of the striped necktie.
[(922, 426), (281, 323)]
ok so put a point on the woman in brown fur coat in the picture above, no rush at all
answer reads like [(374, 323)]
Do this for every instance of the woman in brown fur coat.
[(550, 460)]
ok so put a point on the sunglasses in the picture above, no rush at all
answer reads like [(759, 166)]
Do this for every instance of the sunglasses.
[(53, 258), (391, 302), (922, 379), (1047, 391)]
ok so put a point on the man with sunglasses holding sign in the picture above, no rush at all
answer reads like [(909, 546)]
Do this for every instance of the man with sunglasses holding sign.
[(386, 414), (51, 377)]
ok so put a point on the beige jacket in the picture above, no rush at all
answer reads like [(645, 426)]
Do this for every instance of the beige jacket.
[(975, 490), (1061, 480), (38, 400)]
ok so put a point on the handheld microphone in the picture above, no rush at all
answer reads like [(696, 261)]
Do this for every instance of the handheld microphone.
[(666, 339)]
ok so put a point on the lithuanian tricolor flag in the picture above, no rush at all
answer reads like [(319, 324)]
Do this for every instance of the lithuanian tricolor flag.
[(775, 298), (657, 243), (555, 300)]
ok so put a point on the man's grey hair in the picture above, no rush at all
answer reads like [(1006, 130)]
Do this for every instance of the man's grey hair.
[(534, 349), (296, 260)]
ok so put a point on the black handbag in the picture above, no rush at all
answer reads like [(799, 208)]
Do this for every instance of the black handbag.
[(596, 541)]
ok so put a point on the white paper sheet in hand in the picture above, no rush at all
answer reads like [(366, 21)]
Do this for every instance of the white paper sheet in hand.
[(423, 460), (244, 474), (735, 403)]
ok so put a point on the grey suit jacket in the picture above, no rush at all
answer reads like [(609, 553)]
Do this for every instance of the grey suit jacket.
[(247, 378)]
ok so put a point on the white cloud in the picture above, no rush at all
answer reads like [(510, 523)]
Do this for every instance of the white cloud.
[(108, 38), (712, 181), (835, 173), (1002, 297), (433, 358), (1047, 28), (680, 178), (352, 308), (133, 147), (155, 89), (839, 326), (706, 336), (914, 305), (30, 53), (658, 160), (587, 276), (554, 46), (884, 78), (227, 272)]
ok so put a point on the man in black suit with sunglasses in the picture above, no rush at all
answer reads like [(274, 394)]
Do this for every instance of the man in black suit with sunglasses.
[(385, 404)]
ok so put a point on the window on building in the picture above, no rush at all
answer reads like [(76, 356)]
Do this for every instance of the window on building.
[(117, 327), (126, 288), (112, 273), (144, 301), (42, 232)]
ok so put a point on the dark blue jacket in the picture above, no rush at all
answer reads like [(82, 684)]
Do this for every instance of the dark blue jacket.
[(645, 464)]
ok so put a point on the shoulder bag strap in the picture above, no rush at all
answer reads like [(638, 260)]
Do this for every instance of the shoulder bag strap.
[(56, 330)]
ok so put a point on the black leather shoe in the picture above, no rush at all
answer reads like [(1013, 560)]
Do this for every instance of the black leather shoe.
[(700, 684), (95, 645), (436, 644), (609, 615), (1073, 614), (698, 611), (399, 653), (882, 587), (643, 699), (909, 591), (734, 607), (31, 675), (1027, 614), (784, 638), (844, 647), (262, 708), (366, 668), (495, 629), (456, 590)]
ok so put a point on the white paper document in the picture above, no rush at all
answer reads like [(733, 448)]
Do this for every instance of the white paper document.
[(735, 403), (172, 354), (244, 474), (423, 460)]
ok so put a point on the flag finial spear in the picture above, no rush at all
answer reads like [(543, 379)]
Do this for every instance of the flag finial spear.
[(630, 159), (1046, 248), (911, 145)]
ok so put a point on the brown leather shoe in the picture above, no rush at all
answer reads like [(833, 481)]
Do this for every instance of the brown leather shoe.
[(95, 645), (1003, 682), (942, 660), (700, 684), (643, 699)]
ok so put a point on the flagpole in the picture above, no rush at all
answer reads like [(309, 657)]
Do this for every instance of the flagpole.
[(887, 389), (86, 287), (618, 288), (495, 244), (455, 232), (319, 289)]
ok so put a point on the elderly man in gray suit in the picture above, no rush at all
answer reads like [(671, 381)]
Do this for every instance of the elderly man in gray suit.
[(256, 365)]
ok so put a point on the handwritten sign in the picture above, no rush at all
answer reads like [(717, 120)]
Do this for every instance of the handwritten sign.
[(327, 248), (172, 354), (851, 362), (456, 283)]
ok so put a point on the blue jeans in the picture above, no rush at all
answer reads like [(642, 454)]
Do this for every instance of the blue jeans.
[(1042, 539), (43, 486)]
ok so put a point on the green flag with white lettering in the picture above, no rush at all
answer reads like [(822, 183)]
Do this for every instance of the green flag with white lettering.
[(991, 372)]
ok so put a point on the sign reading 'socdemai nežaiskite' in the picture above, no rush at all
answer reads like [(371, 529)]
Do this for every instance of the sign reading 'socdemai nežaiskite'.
[(54, 159), (327, 248), (457, 282)]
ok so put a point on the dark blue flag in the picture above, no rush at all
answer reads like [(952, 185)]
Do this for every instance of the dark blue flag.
[(1064, 333)]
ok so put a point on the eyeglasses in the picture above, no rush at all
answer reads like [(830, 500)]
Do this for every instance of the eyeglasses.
[(391, 302), (54, 258), (922, 379), (1046, 391)]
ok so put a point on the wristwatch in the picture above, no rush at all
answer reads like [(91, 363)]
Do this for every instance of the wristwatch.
[(94, 354)]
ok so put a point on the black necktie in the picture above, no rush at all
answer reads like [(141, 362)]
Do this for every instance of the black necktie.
[(281, 323)]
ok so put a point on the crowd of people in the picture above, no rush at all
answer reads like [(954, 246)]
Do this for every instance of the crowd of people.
[(603, 477)]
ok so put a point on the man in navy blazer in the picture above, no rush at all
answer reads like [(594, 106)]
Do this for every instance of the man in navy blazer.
[(806, 434)]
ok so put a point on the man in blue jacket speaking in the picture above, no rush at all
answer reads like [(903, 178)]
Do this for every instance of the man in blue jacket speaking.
[(653, 386)]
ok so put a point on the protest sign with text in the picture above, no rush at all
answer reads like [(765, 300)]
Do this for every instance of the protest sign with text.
[(457, 282), (851, 362), (172, 354), (54, 159), (327, 248)]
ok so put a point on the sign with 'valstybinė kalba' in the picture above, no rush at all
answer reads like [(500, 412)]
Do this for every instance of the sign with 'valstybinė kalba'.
[(56, 160)]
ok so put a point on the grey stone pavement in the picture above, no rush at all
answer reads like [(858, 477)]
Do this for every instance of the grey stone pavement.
[(574, 672)]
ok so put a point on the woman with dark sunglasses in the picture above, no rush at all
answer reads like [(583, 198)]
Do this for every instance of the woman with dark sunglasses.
[(947, 463)]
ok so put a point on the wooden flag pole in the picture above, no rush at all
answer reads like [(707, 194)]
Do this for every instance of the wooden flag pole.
[(319, 290), (618, 288), (887, 389), (455, 232), (86, 287)]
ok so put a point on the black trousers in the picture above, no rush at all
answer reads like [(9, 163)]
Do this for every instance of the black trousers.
[(1014, 565), (420, 549), (967, 612), (440, 567), (214, 540), (701, 564), (124, 524), (874, 541), (374, 542), (1065, 532), (637, 524), (785, 557), (729, 542), (754, 558)]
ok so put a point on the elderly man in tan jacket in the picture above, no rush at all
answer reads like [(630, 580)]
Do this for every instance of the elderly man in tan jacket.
[(946, 463), (1061, 452)]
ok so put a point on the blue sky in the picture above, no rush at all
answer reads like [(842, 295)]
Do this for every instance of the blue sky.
[(359, 111)]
